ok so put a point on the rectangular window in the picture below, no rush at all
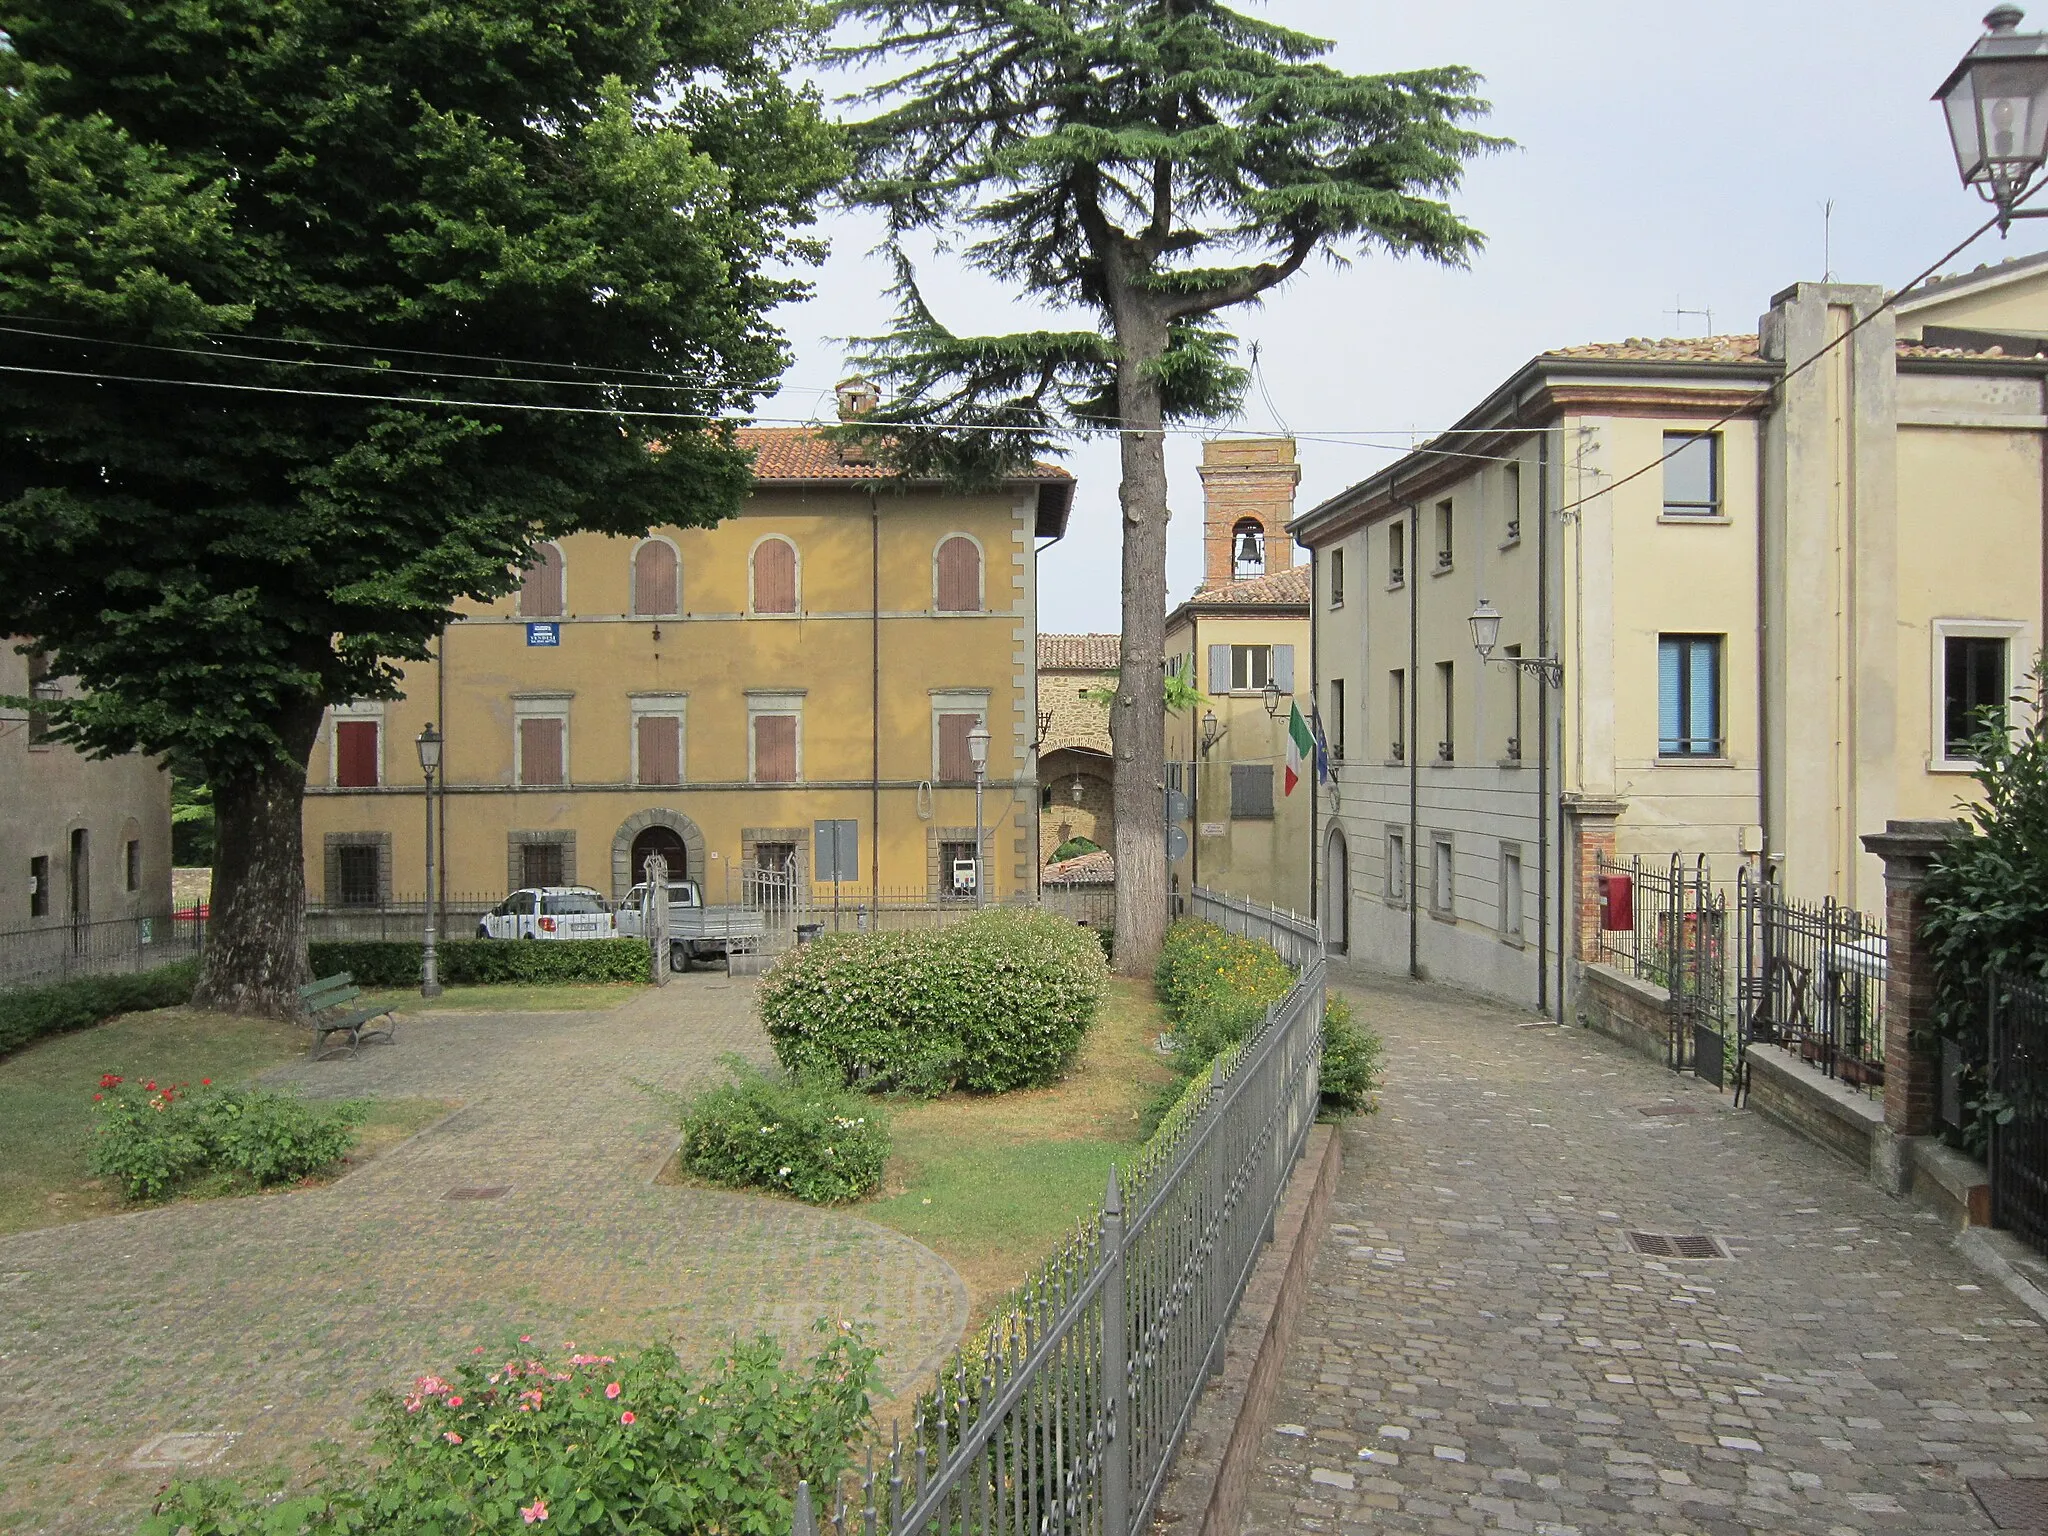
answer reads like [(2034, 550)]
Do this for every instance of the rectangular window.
[(1442, 877), (1973, 679), (356, 758), (1511, 894), (39, 886), (1336, 578), (956, 761), (1251, 791), (1175, 777), (541, 739), (39, 688), (1397, 868), (1513, 754), (956, 869), (361, 881), (1446, 525), (1447, 745), (1334, 730), (1251, 667), (775, 760), (540, 864), (1692, 474), (1397, 703), (1397, 553), (1511, 503), (131, 863), (1689, 696), (658, 748)]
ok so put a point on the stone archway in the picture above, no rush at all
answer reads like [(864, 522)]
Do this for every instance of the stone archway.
[(1336, 894), (665, 841), (629, 831)]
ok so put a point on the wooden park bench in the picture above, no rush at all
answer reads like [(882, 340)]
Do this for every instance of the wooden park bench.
[(335, 1005)]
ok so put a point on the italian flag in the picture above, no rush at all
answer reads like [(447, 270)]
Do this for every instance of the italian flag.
[(1301, 747)]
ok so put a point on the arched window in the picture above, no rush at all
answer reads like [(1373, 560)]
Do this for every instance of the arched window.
[(655, 586), (775, 576), (959, 575), (1248, 549), (540, 597)]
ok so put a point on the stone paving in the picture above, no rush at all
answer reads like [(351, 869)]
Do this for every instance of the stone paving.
[(272, 1319), (1483, 1349)]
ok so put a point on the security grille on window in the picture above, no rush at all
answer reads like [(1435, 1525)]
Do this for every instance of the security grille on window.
[(132, 864), (1689, 696), (1973, 681), (1251, 791), (360, 881), (1692, 474), (956, 869), (541, 864)]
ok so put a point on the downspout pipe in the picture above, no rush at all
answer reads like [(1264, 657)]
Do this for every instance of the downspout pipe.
[(1411, 576), (1315, 781), (875, 708), (1543, 692)]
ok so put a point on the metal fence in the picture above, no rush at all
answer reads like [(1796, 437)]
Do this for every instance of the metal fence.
[(53, 952), (1677, 939), (1062, 1417), (400, 917), (1813, 981), (2016, 1019), (1295, 936)]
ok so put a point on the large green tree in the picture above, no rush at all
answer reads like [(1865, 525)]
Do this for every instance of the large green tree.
[(1143, 166), (315, 315)]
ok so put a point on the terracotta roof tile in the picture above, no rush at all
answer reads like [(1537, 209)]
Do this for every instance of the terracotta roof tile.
[(807, 454), (1683, 349), (1079, 653), (1089, 869), (1290, 586)]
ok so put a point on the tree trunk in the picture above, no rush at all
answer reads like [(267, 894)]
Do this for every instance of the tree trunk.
[(254, 957), (1138, 723)]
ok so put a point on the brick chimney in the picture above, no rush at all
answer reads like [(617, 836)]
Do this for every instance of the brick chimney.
[(1247, 486)]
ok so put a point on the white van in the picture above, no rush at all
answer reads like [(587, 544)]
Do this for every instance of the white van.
[(550, 912)]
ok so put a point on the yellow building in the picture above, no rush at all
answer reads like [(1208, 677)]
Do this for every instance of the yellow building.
[(799, 683), (1774, 594), (1243, 640)]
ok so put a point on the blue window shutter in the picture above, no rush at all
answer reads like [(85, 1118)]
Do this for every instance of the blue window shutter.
[(1705, 704), (1219, 669), (1283, 667), (1670, 727)]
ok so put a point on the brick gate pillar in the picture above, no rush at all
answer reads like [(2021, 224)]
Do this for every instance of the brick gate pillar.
[(1911, 1073), (1589, 837)]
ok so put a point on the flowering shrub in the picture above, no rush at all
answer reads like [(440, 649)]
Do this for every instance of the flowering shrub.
[(154, 1139), (574, 1444), (998, 1002), (809, 1136)]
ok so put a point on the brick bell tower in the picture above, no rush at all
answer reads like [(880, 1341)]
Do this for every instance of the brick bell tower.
[(1247, 497)]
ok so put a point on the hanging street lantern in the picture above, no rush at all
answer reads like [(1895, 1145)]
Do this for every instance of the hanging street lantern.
[(1996, 103)]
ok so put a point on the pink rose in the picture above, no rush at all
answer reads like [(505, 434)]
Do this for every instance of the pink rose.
[(534, 1512), (612, 1390), (626, 1417)]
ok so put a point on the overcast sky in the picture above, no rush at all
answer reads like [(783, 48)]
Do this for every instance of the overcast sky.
[(1669, 156)]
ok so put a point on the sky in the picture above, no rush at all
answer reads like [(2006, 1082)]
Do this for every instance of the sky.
[(1668, 157)]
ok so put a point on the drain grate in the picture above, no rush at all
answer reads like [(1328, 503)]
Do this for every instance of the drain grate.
[(1683, 1245), (2013, 1503), (1665, 1109), (478, 1192)]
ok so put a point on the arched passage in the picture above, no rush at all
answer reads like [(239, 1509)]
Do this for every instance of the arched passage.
[(667, 842), (628, 850), (1336, 894)]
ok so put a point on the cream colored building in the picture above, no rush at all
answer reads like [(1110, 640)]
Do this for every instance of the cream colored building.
[(1769, 643), (1242, 640)]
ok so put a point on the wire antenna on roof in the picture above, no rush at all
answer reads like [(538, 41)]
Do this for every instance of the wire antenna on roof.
[(1678, 313), (1827, 241), (1259, 378)]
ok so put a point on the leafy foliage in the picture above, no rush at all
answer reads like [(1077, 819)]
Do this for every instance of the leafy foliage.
[(575, 1444), (809, 1136), (998, 1002), (481, 962), (1353, 1060), (155, 1139), (1074, 848), (30, 1013)]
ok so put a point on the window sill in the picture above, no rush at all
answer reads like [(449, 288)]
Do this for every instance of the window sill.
[(1396, 586), (1514, 941), (1513, 543), (1674, 760), (1958, 765), (1335, 603), (1437, 914), (1512, 762), (1443, 570), (1718, 520), (1443, 762), (1396, 762), (1254, 818), (1398, 903)]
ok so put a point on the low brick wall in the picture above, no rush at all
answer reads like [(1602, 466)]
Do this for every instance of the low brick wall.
[(1637, 1013), (1785, 1089)]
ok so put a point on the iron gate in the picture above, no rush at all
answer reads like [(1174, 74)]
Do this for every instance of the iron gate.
[(2017, 1037)]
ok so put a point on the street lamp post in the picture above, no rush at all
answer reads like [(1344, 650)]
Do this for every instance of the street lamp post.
[(429, 744), (1996, 103), (1486, 635), (977, 751)]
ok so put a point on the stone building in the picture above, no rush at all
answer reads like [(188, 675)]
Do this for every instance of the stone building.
[(1076, 771)]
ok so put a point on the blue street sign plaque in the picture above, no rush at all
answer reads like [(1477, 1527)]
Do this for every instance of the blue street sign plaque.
[(543, 634)]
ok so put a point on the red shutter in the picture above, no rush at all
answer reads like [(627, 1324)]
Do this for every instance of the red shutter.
[(540, 752), (775, 577), (654, 580), (660, 754), (540, 596), (355, 754), (959, 576), (955, 764), (775, 749)]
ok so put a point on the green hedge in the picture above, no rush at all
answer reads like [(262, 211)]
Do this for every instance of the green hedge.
[(480, 962), (33, 1012), (999, 1002)]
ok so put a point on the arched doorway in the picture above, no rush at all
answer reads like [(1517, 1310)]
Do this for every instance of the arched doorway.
[(665, 841), (1336, 895)]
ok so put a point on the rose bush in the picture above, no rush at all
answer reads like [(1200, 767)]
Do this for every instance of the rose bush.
[(154, 1139), (807, 1136)]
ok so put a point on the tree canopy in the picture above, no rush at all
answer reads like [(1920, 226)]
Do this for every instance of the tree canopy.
[(315, 316)]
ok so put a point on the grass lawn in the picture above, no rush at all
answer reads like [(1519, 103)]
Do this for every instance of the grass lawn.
[(992, 1183), (567, 997), (46, 1100)]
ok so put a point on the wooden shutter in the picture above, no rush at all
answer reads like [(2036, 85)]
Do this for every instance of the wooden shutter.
[(355, 754), (1282, 669), (540, 596), (775, 577), (775, 749), (540, 752), (654, 580), (1219, 669), (959, 576), (660, 743), (956, 763)]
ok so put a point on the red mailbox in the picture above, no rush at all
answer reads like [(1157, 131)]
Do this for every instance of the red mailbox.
[(1617, 902)]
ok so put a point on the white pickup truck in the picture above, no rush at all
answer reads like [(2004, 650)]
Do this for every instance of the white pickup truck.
[(695, 931)]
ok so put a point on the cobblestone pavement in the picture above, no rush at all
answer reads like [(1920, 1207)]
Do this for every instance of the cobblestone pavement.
[(1482, 1348), (273, 1318)]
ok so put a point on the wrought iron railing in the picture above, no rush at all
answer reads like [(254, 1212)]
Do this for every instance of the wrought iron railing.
[(56, 951), (1676, 938), (2017, 1041), (1295, 936), (1813, 981), (1063, 1415)]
